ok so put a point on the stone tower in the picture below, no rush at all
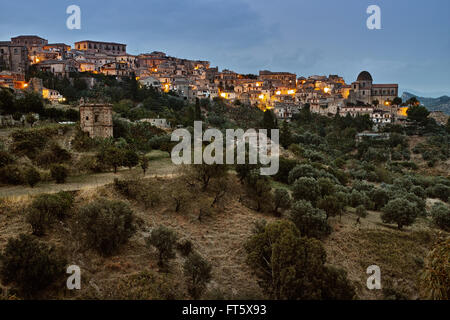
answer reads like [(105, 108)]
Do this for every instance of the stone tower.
[(96, 119)]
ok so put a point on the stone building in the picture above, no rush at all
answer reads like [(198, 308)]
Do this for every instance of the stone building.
[(96, 120), (101, 47), (13, 57), (30, 42), (285, 79), (365, 91), (60, 68)]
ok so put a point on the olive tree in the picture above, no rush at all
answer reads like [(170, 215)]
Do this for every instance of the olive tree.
[(198, 273), (282, 200), (165, 240), (399, 211)]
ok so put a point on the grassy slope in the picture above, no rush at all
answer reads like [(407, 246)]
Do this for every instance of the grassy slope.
[(399, 254), (220, 239)]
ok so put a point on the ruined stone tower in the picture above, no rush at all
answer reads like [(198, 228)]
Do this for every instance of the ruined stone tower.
[(96, 119)]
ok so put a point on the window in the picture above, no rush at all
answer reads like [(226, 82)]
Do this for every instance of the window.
[(87, 118), (96, 118)]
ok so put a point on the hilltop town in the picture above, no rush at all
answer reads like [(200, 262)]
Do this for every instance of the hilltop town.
[(284, 92), (88, 182)]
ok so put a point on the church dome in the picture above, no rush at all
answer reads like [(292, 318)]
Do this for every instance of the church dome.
[(364, 76)]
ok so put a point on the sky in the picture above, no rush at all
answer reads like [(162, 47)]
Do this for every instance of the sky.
[(306, 37)]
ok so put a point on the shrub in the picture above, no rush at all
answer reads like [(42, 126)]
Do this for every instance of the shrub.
[(440, 214), (149, 197), (338, 286), (46, 209), (419, 192), (30, 265), (139, 191), (399, 211), (179, 195), (342, 198), (204, 173), (303, 170), (185, 247), (435, 281), (5, 158), (310, 221), (105, 225), (361, 211), (164, 240), (198, 273), (82, 141), (307, 189), (404, 183), (439, 191), (331, 206), (54, 155), (144, 163), (359, 198), (379, 197), (32, 177), (112, 157), (292, 267), (326, 186), (259, 189), (130, 159), (11, 174), (147, 285), (282, 200), (286, 166), (30, 142), (59, 173)]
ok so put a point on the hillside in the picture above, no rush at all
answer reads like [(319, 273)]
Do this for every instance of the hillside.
[(133, 273), (433, 104)]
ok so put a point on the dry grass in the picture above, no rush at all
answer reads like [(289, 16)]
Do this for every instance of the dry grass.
[(399, 254), (133, 273), (218, 237)]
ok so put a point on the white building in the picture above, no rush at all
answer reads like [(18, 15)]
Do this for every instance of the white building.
[(150, 82), (159, 123)]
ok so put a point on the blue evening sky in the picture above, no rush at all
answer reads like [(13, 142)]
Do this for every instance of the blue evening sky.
[(302, 36)]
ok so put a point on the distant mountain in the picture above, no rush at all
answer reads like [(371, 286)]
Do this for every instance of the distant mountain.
[(432, 104)]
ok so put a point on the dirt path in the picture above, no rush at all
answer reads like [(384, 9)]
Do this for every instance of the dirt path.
[(91, 181)]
